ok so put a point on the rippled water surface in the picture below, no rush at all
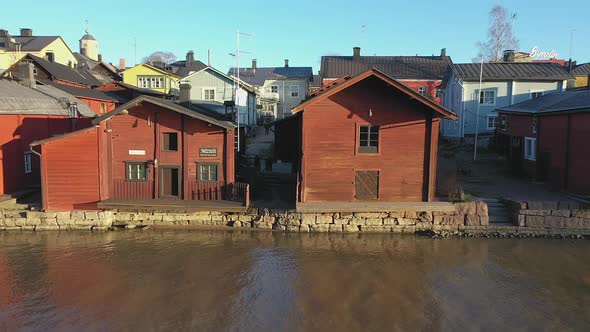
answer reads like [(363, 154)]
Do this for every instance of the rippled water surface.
[(261, 281)]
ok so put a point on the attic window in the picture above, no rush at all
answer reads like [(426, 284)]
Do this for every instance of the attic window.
[(422, 90), (170, 142)]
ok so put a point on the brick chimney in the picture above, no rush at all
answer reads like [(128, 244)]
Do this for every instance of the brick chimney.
[(122, 64), (356, 53), (185, 93), (286, 63), (508, 56), (25, 73), (253, 63), (443, 53), (190, 58), (26, 32)]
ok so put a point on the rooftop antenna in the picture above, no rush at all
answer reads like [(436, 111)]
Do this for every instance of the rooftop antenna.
[(571, 42), (477, 114), (135, 51), (209, 57)]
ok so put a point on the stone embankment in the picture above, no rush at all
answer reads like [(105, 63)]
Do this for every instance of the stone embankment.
[(467, 219)]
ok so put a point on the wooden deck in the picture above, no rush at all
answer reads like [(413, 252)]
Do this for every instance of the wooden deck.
[(319, 207), (172, 205)]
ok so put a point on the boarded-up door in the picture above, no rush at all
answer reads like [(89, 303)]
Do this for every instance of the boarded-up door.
[(366, 185)]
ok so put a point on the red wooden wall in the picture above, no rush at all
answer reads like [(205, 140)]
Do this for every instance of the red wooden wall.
[(430, 87), (330, 134)]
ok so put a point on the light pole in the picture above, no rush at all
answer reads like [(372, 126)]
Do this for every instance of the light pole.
[(479, 95)]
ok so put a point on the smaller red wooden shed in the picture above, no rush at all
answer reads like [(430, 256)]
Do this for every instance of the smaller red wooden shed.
[(365, 138)]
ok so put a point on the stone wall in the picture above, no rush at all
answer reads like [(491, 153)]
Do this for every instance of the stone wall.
[(550, 215), (70, 220)]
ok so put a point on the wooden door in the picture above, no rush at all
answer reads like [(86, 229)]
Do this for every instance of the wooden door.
[(366, 185), (170, 182), (517, 155)]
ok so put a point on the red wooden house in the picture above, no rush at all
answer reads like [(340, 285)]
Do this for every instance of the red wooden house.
[(146, 152), (366, 138), (547, 139)]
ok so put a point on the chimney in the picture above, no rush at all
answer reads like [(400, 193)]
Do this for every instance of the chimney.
[(100, 58), (508, 56), (356, 53), (443, 53), (190, 58), (25, 73), (286, 63), (253, 63), (185, 93), (3, 33), (26, 32), (159, 64), (121, 64)]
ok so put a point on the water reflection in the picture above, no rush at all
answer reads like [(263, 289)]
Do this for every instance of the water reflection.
[(262, 281)]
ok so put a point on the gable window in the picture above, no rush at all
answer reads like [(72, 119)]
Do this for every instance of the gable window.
[(103, 108), (274, 88), (422, 90), (487, 97), (170, 142), (50, 56), (530, 147), (209, 94), (28, 163), (492, 122), (294, 90), (536, 94), (368, 139), (136, 171), (208, 172)]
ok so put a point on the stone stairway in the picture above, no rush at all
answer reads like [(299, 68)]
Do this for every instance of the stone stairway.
[(498, 212), (13, 201)]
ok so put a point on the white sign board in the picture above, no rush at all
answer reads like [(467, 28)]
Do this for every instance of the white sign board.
[(137, 152)]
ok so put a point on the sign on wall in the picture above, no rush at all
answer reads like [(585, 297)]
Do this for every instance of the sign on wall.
[(137, 152), (208, 152)]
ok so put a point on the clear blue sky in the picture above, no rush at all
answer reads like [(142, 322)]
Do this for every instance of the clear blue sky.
[(301, 30)]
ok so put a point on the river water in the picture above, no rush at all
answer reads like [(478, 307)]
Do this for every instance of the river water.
[(262, 281)]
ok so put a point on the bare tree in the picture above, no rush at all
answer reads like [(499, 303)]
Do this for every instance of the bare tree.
[(160, 56), (500, 36)]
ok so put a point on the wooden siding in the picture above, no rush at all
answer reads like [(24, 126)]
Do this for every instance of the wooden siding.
[(330, 157), (70, 172)]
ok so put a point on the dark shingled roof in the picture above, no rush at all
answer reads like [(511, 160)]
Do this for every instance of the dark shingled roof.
[(583, 69), (259, 75), (566, 101), (65, 73), (179, 68), (88, 93), (538, 71), (34, 43), (398, 67)]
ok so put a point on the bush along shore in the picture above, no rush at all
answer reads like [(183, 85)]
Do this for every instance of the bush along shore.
[(458, 219)]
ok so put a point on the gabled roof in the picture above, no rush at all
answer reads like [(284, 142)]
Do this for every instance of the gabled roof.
[(34, 43), (179, 68), (499, 71), (62, 72), (160, 70), (348, 82), (398, 67), (165, 104), (88, 93), (148, 92), (89, 65), (243, 84), (583, 69), (566, 101), (44, 100), (258, 75)]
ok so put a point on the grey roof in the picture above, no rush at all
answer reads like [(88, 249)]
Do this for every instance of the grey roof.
[(166, 104), (260, 74), (538, 71), (583, 69), (62, 72), (566, 101), (88, 93), (87, 65), (87, 36), (34, 43), (179, 68), (398, 67), (45, 100)]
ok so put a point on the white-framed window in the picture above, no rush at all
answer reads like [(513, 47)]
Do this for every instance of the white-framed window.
[(208, 94), (150, 82), (492, 122), (294, 90), (530, 148), (422, 90), (274, 88), (28, 163), (536, 94), (487, 97)]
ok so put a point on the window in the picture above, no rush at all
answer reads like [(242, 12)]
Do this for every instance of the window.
[(209, 94), (150, 82), (28, 163), (492, 122), (170, 142), (207, 172), (487, 97), (136, 171), (437, 93), (274, 88), (294, 90), (503, 122), (103, 108), (530, 147), (422, 90), (368, 139), (156, 82), (35, 71), (50, 56), (73, 110), (536, 94)]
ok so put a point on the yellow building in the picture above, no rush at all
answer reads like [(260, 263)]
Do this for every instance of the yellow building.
[(153, 78), (582, 75), (52, 48)]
